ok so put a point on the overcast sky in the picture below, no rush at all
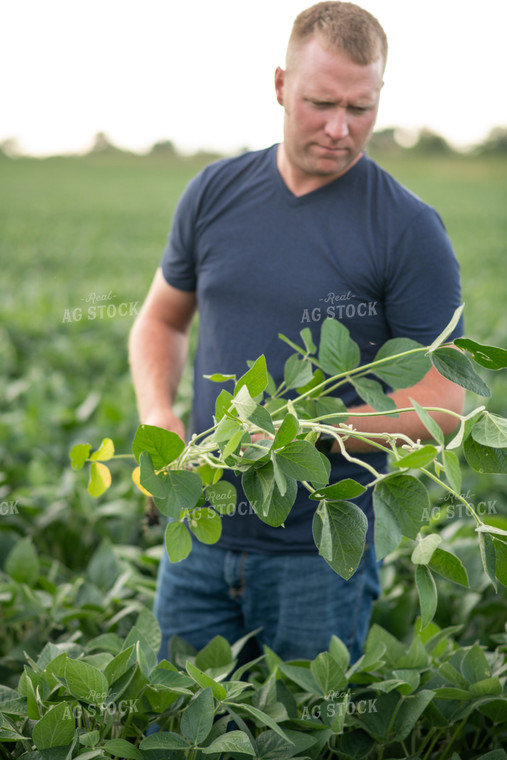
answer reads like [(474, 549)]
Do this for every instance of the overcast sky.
[(200, 73)]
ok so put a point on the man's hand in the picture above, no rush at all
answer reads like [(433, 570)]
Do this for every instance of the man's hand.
[(167, 420)]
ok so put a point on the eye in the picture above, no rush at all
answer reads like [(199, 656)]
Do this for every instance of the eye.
[(358, 109)]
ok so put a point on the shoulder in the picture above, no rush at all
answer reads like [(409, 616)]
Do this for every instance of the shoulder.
[(241, 167), (391, 191)]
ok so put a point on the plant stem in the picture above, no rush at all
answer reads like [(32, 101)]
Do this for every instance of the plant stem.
[(458, 496)]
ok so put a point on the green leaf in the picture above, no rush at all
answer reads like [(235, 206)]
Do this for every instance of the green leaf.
[(306, 336), (475, 666), (449, 566), (425, 548), (206, 525), (455, 366), (124, 749), (262, 418), (448, 329), (452, 470), (22, 562), (164, 741), (417, 459), (387, 530), (55, 729), (265, 497), (490, 357), (500, 561), (301, 461), (223, 497), (465, 426), (487, 549), (244, 403), (318, 378), (331, 405), (427, 590), (155, 484), (162, 445), (178, 542), (328, 673), (206, 681), (100, 479), (409, 713), (407, 501), (261, 716), (197, 718), (339, 528), (256, 379), (217, 377), (222, 403), (183, 491), (104, 452), (343, 490), (232, 741), (79, 454), (297, 372), (429, 423), (401, 371), (485, 458), (85, 682), (373, 394), (233, 443), (337, 351), (491, 430)]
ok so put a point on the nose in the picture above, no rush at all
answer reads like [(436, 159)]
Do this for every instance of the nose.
[(337, 126)]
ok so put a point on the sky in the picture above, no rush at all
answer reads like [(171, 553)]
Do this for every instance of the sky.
[(200, 73)]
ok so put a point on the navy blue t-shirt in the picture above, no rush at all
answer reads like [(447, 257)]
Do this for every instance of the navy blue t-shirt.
[(361, 249)]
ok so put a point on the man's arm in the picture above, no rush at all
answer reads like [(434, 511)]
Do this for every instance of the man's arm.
[(157, 352), (432, 390)]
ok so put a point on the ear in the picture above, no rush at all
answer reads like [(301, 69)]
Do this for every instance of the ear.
[(279, 84)]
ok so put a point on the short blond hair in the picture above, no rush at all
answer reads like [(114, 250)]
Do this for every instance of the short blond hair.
[(342, 26)]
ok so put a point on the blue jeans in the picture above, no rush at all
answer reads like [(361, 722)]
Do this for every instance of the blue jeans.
[(297, 599)]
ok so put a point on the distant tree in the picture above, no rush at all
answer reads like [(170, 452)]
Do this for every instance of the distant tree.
[(165, 147), (496, 141), (102, 144), (383, 143), (431, 142)]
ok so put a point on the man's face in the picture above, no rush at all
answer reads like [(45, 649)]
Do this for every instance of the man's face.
[(330, 106)]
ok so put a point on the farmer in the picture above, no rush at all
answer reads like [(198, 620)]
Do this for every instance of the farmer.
[(274, 241)]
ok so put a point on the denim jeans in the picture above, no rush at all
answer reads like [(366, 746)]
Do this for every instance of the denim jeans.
[(297, 599)]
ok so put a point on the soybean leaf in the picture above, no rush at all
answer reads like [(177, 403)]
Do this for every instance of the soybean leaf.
[(409, 713), (217, 377), (256, 379), (265, 497), (341, 527), (344, 489), (177, 541), (490, 357), (297, 372), (162, 445), (286, 432), (55, 729), (487, 549), (79, 454), (401, 371), (448, 329), (104, 452), (491, 430), (387, 531), (234, 443), (183, 491), (417, 459), (223, 497), (232, 741), (466, 424), (197, 718), (373, 394), (262, 418), (449, 566), (206, 681), (222, 403), (500, 561), (485, 458), (429, 423), (301, 461), (280, 479), (328, 673), (22, 562), (100, 479), (262, 717), (427, 590), (122, 748), (306, 336), (452, 470), (206, 525), (148, 478), (455, 366), (407, 500), (337, 351), (85, 681), (425, 549), (244, 403), (330, 405), (164, 741), (318, 378)]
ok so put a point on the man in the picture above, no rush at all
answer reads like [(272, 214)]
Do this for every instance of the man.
[(274, 241)]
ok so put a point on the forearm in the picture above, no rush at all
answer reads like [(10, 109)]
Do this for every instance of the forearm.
[(157, 354)]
